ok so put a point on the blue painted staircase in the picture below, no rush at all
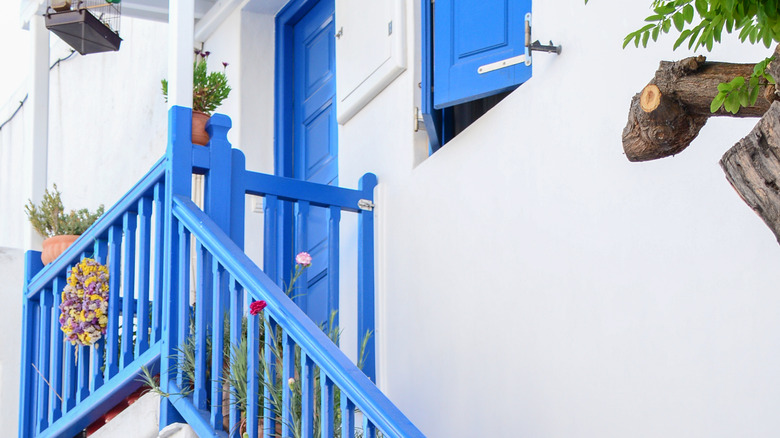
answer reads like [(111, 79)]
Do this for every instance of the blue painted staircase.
[(293, 382)]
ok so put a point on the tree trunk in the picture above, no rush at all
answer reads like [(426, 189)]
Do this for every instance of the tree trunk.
[(671, 110), (752, 167)]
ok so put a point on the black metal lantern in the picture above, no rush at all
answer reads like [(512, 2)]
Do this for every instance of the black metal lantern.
[(89, 26)]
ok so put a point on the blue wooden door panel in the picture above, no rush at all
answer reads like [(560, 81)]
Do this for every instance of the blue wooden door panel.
[(469, 34), (315, 154)]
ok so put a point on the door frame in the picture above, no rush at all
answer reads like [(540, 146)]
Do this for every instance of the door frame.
[(284, 109)]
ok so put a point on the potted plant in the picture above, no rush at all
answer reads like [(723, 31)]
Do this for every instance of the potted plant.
[(59, 229), (208, 92)]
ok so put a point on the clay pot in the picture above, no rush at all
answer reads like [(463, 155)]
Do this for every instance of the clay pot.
[(199, 134), (54, 246)]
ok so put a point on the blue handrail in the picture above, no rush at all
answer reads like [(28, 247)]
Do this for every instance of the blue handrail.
[(360, 390)]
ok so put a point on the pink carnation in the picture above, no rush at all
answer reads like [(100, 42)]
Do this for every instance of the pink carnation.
[(256, 307), (303, 259)]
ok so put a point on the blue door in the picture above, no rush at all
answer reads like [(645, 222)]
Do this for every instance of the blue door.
[(315, 142)]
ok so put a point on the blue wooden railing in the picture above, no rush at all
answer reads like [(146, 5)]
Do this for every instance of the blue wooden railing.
[(61, 391), (146, 241)]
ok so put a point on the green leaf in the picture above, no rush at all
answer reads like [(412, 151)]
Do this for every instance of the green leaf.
[(701, 7), (655, 33), (717, 102), (754, 94), (737, 82), (628, 39), (666, 25), (732, 103), (694, 34), (681, 39), (679, 21), (645, 37), (724, 87), (654, 18), (744, 99), (688, 13), (767, 38)]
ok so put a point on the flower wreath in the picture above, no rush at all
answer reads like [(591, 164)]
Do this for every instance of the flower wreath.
[(85, 303)]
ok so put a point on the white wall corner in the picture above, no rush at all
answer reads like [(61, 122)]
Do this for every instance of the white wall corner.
[(29, 9)]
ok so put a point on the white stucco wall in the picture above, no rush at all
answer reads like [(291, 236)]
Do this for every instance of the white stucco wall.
[(12, 274), (12, 198), (533, 282), (108, 119)]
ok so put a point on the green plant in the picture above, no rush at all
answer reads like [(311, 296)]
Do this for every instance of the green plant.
[(209, 90), (49, 218), (701, 23)]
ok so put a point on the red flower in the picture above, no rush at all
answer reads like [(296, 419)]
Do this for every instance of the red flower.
[(256, 307)]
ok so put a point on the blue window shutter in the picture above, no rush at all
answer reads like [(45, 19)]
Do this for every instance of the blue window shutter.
[(469, 34)]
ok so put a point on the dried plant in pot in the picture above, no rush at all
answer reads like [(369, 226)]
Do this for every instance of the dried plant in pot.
[(209, 90), (59, 228)]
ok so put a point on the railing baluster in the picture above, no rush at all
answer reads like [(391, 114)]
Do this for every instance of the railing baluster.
[(183, 302), (269, 417), (288, 371), (144, 255), (217, 341), (114, 303), (35, 379), (83, 373), (347, 417), (235, 338), (326, 406), (301, 244), (55, 404), (44, 333), (307, 396), (98, 351), (252, 374), (334, 217), (271, 237), (369, 430), (70, 378), (159, 248), (129, 223), (202, 326)]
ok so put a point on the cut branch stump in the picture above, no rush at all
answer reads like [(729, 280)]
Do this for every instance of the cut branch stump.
[(671, 110)]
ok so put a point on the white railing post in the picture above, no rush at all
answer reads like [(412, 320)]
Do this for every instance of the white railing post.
[(181, 27), (36, 119)]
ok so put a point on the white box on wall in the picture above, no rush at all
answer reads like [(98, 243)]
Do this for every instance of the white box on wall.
[(370, 51)]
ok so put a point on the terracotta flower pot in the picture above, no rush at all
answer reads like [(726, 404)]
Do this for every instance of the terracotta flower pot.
[(54, 246), (199, 134)]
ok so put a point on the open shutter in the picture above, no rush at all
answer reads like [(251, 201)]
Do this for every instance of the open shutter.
[(469, 34)]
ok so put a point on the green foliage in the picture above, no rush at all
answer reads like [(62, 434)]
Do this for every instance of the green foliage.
[(49, 218), (701, 23), (741, 91), (209, 90), (757, 21)]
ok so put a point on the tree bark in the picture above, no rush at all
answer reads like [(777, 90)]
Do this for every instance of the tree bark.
[(671, 110), (752, 166)]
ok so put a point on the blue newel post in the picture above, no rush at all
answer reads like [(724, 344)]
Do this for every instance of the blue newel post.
[(366, 301), (30, 309), (178, 181)]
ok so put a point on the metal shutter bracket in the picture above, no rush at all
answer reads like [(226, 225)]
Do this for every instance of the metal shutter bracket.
[(526, 57)]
